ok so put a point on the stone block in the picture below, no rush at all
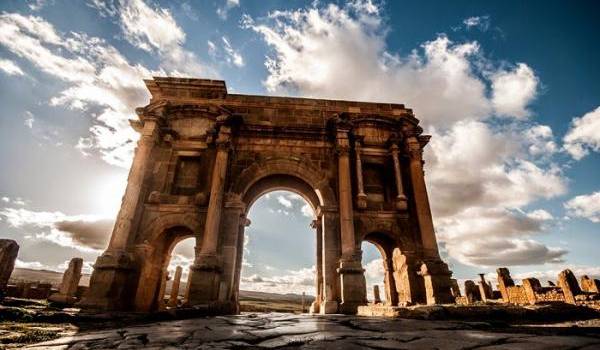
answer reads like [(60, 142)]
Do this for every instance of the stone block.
[(9, 250), (568, 283)]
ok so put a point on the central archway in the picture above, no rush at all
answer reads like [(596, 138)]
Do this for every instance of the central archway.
[(295, 176)]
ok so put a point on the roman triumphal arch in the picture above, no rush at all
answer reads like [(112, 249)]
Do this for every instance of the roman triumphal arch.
[(204, 156)]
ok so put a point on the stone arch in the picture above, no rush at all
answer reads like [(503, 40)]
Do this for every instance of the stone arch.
[(385, 244), (162, 234), (293, 167), (295, 174)]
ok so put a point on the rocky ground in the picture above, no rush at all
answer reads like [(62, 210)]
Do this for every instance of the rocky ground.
[(289, 331)]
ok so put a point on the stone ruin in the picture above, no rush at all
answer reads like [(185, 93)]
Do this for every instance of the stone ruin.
[(531, 291), (67, 293), (9, 250)]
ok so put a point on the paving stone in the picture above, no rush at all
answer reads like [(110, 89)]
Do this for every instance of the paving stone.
[(268, 331)]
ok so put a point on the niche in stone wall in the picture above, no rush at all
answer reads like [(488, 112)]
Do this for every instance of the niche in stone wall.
[(187, 176), (375, 180)]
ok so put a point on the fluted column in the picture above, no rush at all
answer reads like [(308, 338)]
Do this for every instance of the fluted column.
[(361, 197), (423, 210), (400, 197)]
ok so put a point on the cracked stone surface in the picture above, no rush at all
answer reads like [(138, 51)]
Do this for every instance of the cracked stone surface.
[(286, 331)]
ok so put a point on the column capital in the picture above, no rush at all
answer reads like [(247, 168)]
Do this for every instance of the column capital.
[(414, 149)]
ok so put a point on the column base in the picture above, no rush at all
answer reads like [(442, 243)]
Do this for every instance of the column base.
[(204, 280), (361, 201), (62, 299), (314, 308), (329, 307), (353, 285), (113, 283), (401, 203), (438, 283)]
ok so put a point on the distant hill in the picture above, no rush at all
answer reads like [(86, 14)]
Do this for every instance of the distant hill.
[(55, 278), (43, 276)]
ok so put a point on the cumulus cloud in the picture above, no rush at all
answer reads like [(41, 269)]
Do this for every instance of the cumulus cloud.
[(295, 281), (9, 67), (585, 206), (480, 174), (155, 29), (87, 233), (583, 135), (512, 90)]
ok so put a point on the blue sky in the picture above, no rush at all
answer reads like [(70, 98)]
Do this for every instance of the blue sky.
[(509, 90)]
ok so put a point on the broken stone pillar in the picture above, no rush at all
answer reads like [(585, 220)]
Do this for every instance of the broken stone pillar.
[(568, 283), (409, 286), (8, 254), (376, 296), (70, 282), (316, 304), (504, 281), (436, 277), (472, 292), (531, 286), (454, 288), (590, 285), (485, 289), (175, 287)]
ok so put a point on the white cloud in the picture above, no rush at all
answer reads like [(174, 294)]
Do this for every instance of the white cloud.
[(513, 90), (295, 281), (583, 135), (87, 233), (29, 119), (307, 211), (233, 56), (585, 206), (36, 5), (284, 201), (155, 29), (481, 22), (9, 67), (223, 10), (541, 140), (480, 175), (540, 214)]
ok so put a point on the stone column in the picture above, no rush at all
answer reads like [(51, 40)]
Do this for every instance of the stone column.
[(175, 287), (531, 287), (569, 285), (113, 282), (423, 210), (504, 281), (436, 278), (318, 227), (391, 295), (206, 271), (376, 296), (70, 282), (9, 250), (408, 285), (239, 260), (352, 278), (361, 197), (331, 255), (400, 197)]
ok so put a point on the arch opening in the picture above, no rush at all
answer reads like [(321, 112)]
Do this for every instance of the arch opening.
[(279, 252)]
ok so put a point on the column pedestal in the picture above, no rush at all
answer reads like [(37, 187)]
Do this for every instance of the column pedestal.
[(353, 286), (204, 280), (113, 279)]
